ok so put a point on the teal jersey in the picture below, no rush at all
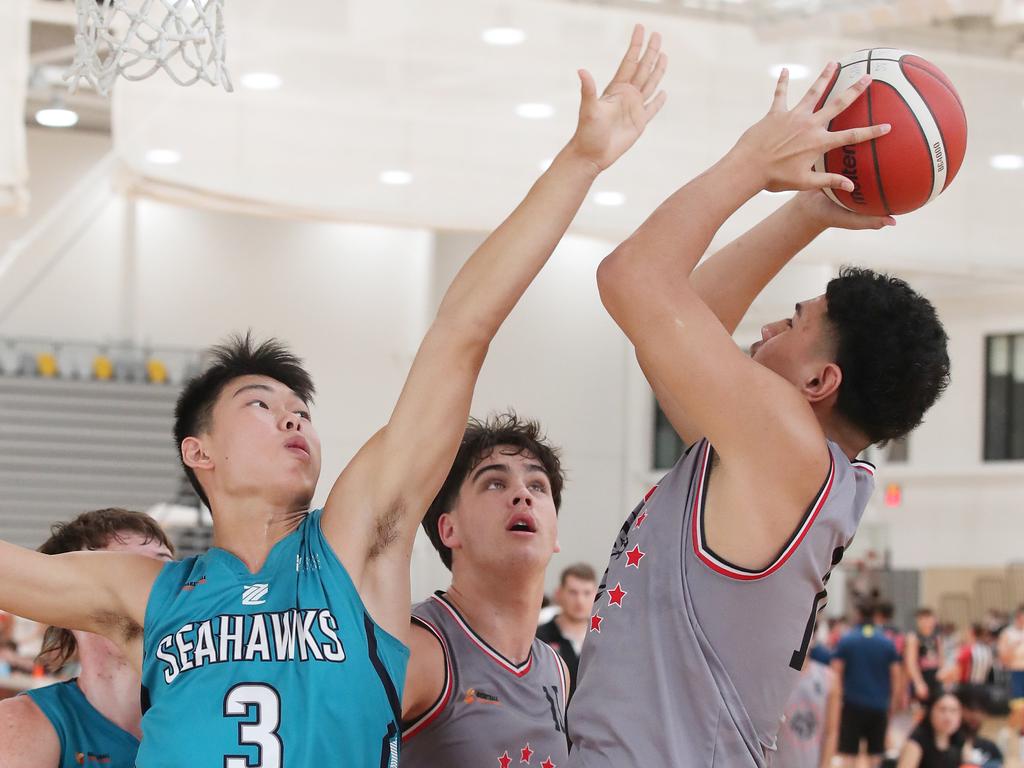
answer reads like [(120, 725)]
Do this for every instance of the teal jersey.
[(86, 736), (283, 668)]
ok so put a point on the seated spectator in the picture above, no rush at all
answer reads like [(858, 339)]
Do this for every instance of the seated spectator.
[(980, 751), (938, 741)]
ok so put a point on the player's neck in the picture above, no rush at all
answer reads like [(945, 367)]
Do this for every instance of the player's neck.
[(504, 616), (109, 682), (850, 440), (249, 528), (573, 630)]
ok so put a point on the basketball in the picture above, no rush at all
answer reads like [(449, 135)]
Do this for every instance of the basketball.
[(918, 159)]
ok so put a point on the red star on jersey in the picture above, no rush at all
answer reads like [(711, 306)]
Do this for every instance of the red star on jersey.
[(548, 764), (634, 556), (615, 595), (525, 754), (505, 760), (595, 623), (640, 520)]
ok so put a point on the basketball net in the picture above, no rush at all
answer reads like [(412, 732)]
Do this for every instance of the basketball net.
[(135, 38)]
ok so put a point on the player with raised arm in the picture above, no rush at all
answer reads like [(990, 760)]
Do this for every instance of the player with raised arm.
[(93, 719), (708, 605), (285, 644), (481, 688)]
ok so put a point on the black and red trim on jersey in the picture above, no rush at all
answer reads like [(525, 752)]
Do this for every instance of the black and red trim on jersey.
[(519, 670), (410, 729), (563, 676), (723, 566)]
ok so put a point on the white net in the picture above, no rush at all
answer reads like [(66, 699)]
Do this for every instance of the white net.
[(135, 38)]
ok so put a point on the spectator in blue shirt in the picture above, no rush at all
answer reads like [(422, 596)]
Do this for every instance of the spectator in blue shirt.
[(868, 666)]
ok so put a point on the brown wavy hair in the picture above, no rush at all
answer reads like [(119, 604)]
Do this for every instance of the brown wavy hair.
[(90, 531)]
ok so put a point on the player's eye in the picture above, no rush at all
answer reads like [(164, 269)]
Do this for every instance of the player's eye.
[(789, 322), (260, 403), (303, 415), (495, 485), (539, 487)]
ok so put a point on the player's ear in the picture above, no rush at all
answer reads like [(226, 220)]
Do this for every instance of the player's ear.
[(194, 455), (824, 383), (446, 530)]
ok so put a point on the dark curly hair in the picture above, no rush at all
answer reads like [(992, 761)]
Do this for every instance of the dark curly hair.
[(480, 438), (90, 530), (891, 348), (238, 356)]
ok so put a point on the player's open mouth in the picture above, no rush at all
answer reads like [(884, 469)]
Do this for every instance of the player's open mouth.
[(521, 523)]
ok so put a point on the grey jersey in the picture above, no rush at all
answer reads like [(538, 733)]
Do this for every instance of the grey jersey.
[(491, 712), (690, 659)]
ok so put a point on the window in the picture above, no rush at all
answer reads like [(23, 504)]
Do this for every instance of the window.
[(1004, 397), (668, 446)]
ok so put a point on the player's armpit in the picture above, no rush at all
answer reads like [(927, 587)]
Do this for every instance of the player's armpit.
[(100, 592), (27, 738)]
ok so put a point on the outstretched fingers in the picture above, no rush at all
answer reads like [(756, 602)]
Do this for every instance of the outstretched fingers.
[(856, 135), (631, 61), (845, 99), (653, 81), (779, 100), (817, 89), (647, 62)]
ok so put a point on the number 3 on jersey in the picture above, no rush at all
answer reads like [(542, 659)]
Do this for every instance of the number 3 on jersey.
[(262, 706)]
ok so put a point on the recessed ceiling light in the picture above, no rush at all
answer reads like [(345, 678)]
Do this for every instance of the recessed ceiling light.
[(503, 36), (609, 198), (535, 111), (395, 177), (163, 156), (260, 81), (545, 163), (57, 117), (796, 71), (1007, 162)]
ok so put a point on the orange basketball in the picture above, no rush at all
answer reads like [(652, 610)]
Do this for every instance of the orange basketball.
[(920, 156)]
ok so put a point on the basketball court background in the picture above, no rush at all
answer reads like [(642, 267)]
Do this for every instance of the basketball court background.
[(170, 217)]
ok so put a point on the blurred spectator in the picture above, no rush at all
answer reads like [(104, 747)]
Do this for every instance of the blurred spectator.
[(923, 656), (567, 631), (867, 663), (938, 741), (981, 752), (1011, 656), (810, 727), (10, 658), (974, 658)]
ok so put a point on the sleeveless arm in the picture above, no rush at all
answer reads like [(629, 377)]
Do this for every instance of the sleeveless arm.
[(378, 502), (100, 592), (426, 675), (27, 738)]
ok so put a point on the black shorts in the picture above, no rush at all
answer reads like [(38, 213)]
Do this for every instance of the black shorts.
[(858, 723)]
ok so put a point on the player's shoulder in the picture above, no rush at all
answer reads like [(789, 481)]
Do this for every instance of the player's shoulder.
[(27, 737)]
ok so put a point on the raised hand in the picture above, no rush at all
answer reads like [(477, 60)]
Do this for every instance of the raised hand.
[(816, 207), (611, 124), (784, 144)]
